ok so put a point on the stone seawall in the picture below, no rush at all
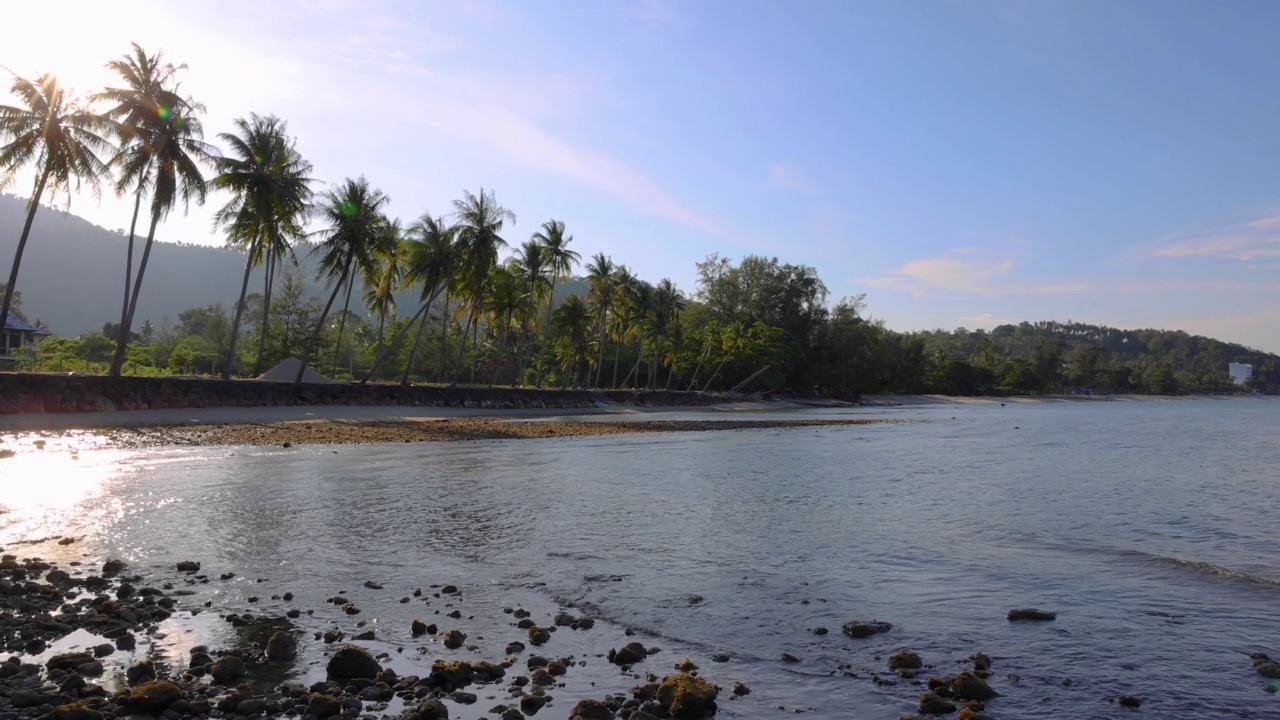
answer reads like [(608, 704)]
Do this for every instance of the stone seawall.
[(47, 393)]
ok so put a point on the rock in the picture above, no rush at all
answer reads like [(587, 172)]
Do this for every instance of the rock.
[(463, 698), (69, 661), (417, 627), (931, 704), (741, 689), (323, 707), (188, 566), (590, 710), (819, 631), (514, 648), (227, 669), (585, 623), (1268, 670), (282, 646), (75, 711), (687, 696), (905, 660), (565, 620), (859, 629), (971, 714), (351, 662), (1031, 614), (454, 638), (433, 709), (139, 673), (628, 654), (789, 658), (103, 650), (531, 704), (981, 662), (686, 665), (449, 589), (539, 636), (968, 686), (155, 696), (1129, 701), (541, 677)]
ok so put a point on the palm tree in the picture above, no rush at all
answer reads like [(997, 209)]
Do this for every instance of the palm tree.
[(59, 135), (353, 214), (149, 87), (600, 296), (164, 153), (639, 328), (663, 322), (504, 300), (389, 235), (386, 278), (619, 323), (480, 219), (560, 261), (271, 198), (529, 264), (430, 262), (572, 325)]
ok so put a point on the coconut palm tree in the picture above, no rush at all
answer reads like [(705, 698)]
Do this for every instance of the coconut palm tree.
[(164, 154), (639, 328), (529, 264), (149, 87), (386, 278), (560, 261), (61, 137), (619, 322), (354, 230), (430, 263), (389, 235), (572, 326), (663, 322), (504, 300), (480, 219), (271, 199), (600, 297)]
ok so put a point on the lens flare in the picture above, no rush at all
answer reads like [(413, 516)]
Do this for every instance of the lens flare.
[(164, 113), (347, 208)]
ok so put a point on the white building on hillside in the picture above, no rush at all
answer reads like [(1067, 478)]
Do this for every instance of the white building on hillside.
[(1240, 372)]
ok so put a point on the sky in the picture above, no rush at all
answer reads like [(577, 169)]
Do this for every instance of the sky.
[(963, 164)]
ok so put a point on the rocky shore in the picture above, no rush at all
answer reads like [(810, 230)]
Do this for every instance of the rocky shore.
[(288, 434)]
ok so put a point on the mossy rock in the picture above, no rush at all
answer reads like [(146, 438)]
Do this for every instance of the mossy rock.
[(860, 629), (282, 646), (433, 709), (905, 660), (154, 696), (932, 704), (75, 711), (454, 638), (687, 697), (323, 707), (968, 686), (352, 662), (628, 654)]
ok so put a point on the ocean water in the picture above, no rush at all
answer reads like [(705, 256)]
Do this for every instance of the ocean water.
[(1151, 528)]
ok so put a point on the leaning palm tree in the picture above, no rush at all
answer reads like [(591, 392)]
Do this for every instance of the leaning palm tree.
[(600, 298), (480, 219), (386, 278), (572, 326), (149, 88), (503, 300), (625, 286), (429, 262), (353, 215), (664, 314), (165, 154), (560, 261), (271, 199), (60, 136)]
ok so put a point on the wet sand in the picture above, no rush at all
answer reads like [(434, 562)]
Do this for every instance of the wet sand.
[(435, 430)]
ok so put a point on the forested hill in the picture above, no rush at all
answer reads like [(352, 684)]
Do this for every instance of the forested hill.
[(72, 275), (1054, 354)]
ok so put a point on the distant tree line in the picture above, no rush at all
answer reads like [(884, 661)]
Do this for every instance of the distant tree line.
[(483, 308)]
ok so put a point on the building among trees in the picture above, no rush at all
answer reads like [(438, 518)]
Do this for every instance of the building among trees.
[(18, 333)]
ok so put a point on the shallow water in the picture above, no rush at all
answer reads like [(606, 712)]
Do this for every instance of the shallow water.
[(1149, 527)]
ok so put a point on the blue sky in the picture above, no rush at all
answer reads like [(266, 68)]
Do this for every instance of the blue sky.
[(961, 163)]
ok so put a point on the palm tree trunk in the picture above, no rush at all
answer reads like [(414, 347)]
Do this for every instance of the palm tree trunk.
[(346, 306), (546, 330), (266, 316), (235, 325), (17, 256), (600, 349), (128, 255), (617, 349), (417, 339), (706, 349), (444, 339), (122, 343), (462, 346), (635, 369), (315, 336), (475, 346)]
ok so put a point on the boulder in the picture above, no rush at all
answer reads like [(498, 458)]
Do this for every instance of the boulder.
[(454, 638), (75, 711), (188, 566), (905, 660), (323, 707), (590, 710), (1031, 615), (433, 709), (686, 696), (352, 662), (968, 686), (228, 669), (861, 629), (628, 654), (282, 646), (69, 661), (932, 704), (154, 696)]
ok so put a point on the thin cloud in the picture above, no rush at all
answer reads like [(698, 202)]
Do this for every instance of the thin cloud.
[(785, 177), (1254, 240), (961, 273)]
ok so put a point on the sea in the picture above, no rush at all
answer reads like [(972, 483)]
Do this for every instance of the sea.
[(1151, 528)]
